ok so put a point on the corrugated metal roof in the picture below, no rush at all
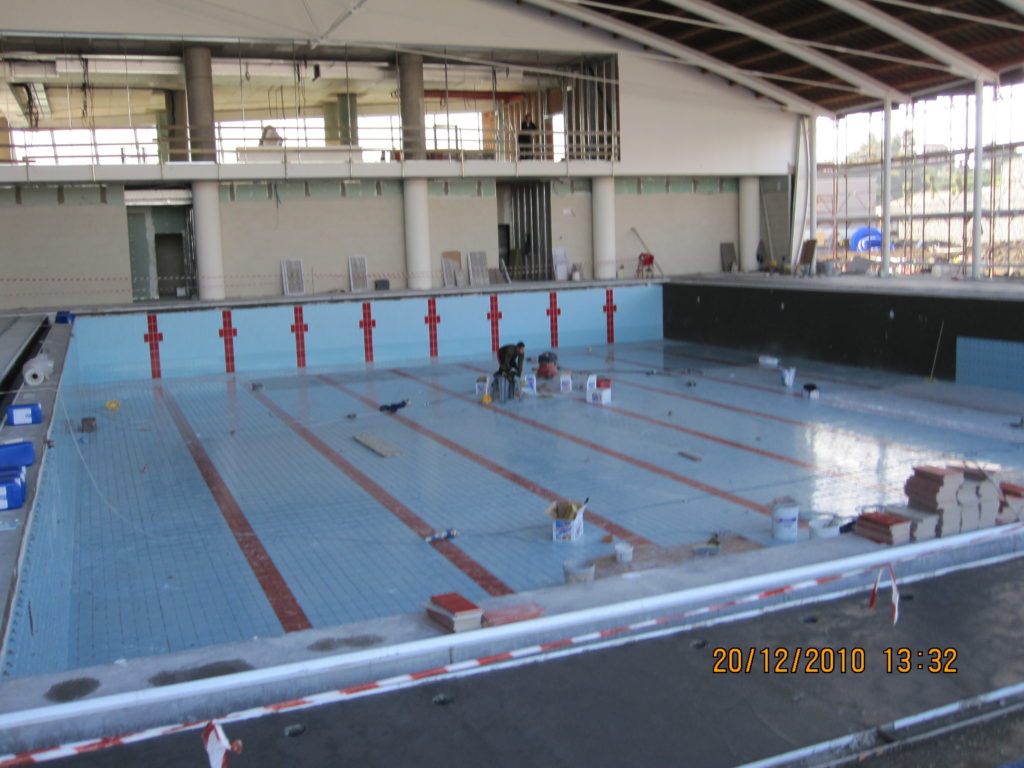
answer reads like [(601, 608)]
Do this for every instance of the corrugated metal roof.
[(988, 32)]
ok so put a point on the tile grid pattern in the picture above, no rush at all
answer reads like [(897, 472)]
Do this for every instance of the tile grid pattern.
[(155, 568)]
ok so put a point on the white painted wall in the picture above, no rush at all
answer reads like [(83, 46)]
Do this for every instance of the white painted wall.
[(323, 233), (462, 224), (64, 256), (676, 121), (571, 227), (683, 231)]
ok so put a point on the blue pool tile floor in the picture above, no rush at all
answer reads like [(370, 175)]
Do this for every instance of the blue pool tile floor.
[(216, 509)]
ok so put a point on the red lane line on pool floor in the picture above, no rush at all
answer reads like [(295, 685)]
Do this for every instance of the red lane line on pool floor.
[(477, 572), (735, 364), (704, 435), (722, 440), (284, 603), (817, 426), (746, 411), (702, 375), (604, 523), (810, 425), (710, 489)]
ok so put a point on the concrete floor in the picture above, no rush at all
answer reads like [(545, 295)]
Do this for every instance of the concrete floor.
[(661, 702)]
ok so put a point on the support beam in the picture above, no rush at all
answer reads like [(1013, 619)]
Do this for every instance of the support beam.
[(340, 121), (865, 84), (958, 63), (6, 148), (749, 222), (417, 234), (979, 148), (684, 54), (886, 190), (410, 88), (199, 95), (603, 213), (209, 254), (812, 186)]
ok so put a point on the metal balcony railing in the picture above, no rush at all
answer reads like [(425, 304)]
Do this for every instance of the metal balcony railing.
[(301, 142)]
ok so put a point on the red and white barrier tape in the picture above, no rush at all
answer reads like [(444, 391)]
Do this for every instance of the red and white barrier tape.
[(217, 745), (404, 680), (895, 593)]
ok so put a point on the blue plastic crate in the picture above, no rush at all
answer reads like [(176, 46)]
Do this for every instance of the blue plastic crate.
[(17, 453), (25, 413), (12, 488)]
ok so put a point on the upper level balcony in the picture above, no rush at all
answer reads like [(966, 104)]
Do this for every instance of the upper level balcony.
[(109, 118)]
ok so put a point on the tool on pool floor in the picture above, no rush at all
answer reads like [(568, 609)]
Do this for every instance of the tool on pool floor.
[(449, 533)]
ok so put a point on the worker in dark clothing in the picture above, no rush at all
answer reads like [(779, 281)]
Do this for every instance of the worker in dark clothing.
[(510, 367), (527, 137)]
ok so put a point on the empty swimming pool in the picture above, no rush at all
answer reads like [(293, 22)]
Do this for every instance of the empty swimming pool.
[(212, 508)]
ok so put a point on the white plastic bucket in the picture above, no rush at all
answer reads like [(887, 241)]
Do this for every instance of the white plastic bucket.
[(823, 527), (578, 571), (624, 552), (785, 519), (788, 376)]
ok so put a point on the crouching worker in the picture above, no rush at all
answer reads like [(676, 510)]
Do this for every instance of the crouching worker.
[(510, 368)]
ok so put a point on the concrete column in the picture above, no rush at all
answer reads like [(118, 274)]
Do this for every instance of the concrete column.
[(6, 150), (979, 148), (886, 190), (209, 257), (603, 204), (199, 93), (749, 222), (173, 124), (410, 87), (417, 234)]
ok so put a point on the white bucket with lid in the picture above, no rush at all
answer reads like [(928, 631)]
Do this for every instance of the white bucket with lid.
[(623, 551), (785, 519)]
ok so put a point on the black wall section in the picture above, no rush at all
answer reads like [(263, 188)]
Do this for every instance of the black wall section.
[(896, 332)]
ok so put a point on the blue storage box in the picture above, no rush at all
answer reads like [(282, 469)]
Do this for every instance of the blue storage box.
[(17, 453), (64, 317), (27, 413)]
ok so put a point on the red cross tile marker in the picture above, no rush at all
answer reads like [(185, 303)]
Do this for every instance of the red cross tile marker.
[(553, 313), (153, 338), (609, 308), (299, 328), (367, 324), (228, 333), (494, 316), (432, 319)]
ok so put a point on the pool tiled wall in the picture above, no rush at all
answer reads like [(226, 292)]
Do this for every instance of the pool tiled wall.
[(163, 344)]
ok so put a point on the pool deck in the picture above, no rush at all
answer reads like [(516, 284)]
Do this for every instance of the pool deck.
[(235, 524)]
